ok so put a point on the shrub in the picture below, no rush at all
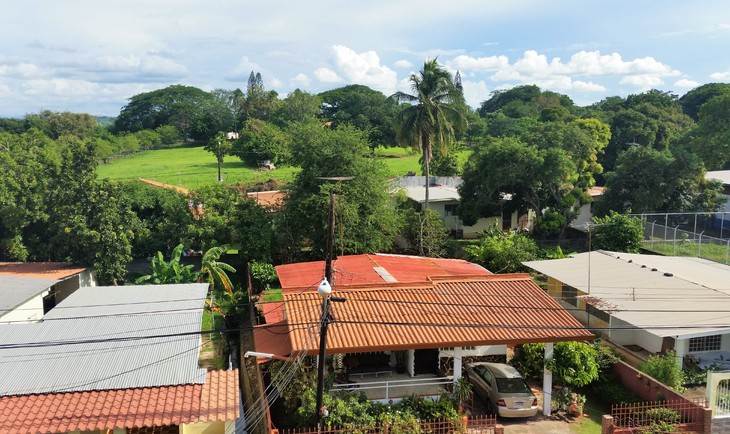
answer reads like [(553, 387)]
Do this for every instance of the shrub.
[(612, 392), (666, 369)]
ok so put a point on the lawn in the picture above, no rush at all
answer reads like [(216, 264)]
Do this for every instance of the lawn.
[(707, 250), (192, 166)]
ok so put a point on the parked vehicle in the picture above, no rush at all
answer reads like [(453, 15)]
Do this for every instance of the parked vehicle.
[(503, 387)]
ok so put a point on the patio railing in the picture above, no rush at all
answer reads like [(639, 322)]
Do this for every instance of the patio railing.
[(394, 388)]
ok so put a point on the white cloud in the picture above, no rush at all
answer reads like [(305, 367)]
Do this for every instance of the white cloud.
[(61, 87), (642, 81), (327, 75), (686, 84), (301, 80), (363, 68), (721, 76), (19, 70), (475, 92), (480, 64), (403, 64)]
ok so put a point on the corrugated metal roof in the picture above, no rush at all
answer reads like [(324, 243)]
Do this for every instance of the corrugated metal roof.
[(216, 400), (21, 281), (150, 340), (360, 270), (491, 310), (667, 296)]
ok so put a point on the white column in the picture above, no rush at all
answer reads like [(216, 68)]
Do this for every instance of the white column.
[(547, 382), (679, 347), (457, 363)]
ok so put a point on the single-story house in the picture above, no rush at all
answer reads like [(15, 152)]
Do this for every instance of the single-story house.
[(115, 359), (437, 324), (724, 177), (650, 301), (30, 289), (444, 199)]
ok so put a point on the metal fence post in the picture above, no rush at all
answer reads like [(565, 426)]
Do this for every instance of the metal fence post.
[(722, 223), (727, 250), (695, 230), (652, 232), (674, 242), (666, 225), (699, 244)]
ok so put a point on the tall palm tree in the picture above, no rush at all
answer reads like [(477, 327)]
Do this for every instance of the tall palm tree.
[(433, 115)]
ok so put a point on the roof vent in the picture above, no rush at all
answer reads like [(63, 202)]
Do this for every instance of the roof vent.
[(643, 266), (631, 261), (668, 274), (653, 269), (384, 274)]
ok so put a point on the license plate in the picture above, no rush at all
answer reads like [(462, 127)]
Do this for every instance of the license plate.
[(519, 403)]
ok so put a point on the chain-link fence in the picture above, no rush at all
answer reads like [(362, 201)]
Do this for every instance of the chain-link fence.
[(702, 235)]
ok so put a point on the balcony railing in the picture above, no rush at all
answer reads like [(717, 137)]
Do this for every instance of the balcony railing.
[(394, 389)]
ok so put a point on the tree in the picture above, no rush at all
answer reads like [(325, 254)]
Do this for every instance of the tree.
[(617, 233), (364, 108), (220, 147), (432, 117), (711, 139), (693, 100), (215, 272), (573, 363), (195, 113), (260, 141), (503, 253), (172, 271), (259, 103), (365, 213), (298, 106), (426, 230)]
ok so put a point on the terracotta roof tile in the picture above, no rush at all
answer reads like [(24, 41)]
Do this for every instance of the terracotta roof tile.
[(216, 400), (491, 310), (362, 270), (41, 270)]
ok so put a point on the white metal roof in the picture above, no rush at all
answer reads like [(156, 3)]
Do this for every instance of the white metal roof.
[(721, 175), (107, 338), (16, 290), (667, 296), (436, 193)]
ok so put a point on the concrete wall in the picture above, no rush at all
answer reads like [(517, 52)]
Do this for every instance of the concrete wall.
[(218, 427), (30, 311)]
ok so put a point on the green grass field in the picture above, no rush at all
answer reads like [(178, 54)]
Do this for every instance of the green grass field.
[(192, 167), (707, 250)]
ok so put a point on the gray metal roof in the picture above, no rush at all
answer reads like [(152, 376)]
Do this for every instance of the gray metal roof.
[(667, 296), (16, 290), (107, 338)]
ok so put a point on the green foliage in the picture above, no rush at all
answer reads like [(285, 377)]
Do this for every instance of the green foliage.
[(215, 272), (617, 233), (549, 225), (611, 392), (259, 141), (573, 363), (711, 139), (262, 273), (666, 369), (172, 271), (566, 399), (425, 232), (503, 252)]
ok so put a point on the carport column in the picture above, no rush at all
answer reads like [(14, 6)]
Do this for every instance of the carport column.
[(679, 348), (457, 363), (547, 381)]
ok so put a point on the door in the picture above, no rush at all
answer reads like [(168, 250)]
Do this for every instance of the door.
[(427, 361)]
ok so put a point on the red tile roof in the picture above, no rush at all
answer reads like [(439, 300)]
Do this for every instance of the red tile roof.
[(360, 270), (40, 270), (488, 310), (269, 199), (217, 399)]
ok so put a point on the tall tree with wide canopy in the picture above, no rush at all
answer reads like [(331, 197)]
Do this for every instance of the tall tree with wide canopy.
[(433, 116)]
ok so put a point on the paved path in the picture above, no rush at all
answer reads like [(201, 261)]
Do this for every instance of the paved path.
[(536, 426)]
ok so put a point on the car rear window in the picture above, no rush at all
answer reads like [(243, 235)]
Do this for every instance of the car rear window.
[(512, 385)]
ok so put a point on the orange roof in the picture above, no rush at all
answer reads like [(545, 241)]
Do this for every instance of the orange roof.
[(40, 270), (488, 310), (268, 199), (217, 399), (375, 269), (272, 311)]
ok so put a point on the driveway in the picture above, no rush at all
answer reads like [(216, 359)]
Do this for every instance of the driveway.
[(536, 425)]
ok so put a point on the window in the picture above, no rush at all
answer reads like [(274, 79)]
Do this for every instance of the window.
[(705, 343), (450, 209)]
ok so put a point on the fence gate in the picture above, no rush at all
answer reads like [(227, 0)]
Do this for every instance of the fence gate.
[(718, 393)]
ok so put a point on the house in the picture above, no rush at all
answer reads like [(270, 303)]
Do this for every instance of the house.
[(724, 177), (648, 302), (373, 270), (585, 212), (115, 359), (436, 323), (444, 199), (30, 289)]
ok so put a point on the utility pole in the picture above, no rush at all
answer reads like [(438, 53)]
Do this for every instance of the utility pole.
[(325, 291)]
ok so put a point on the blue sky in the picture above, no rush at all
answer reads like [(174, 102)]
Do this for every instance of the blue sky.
[(92, 56)]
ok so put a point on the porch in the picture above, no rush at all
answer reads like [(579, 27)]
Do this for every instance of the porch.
[(394, 386)]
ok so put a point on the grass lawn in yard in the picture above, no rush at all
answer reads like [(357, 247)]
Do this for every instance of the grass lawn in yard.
[(590, 422), (707, 250), (192, 167)]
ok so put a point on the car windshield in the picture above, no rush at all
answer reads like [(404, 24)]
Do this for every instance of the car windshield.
[(512, 385)]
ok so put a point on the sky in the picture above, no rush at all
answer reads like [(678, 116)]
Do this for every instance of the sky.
[(91, 56)]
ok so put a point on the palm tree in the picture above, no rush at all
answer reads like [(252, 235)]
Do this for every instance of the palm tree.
[(214, 271), (433, 114)]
